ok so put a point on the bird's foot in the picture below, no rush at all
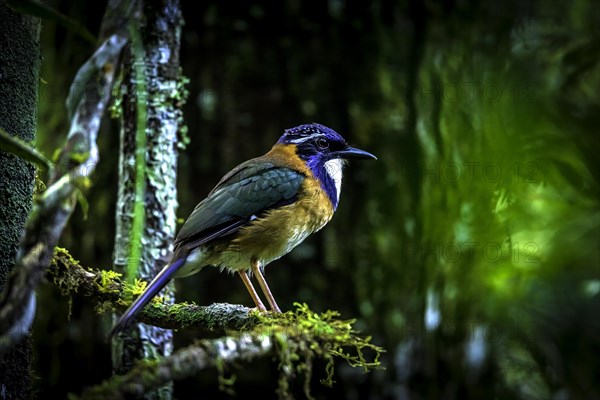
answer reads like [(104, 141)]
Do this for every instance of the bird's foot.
[(275, 308)]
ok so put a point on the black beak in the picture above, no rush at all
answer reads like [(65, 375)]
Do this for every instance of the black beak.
[(352, 152)]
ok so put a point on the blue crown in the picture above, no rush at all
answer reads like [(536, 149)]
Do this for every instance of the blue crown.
[(302, 133)]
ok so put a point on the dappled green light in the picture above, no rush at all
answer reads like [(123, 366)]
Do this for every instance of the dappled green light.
[(505, 199)]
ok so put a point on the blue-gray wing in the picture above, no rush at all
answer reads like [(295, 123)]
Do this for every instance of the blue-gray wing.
[(247, 191), (243, 194)]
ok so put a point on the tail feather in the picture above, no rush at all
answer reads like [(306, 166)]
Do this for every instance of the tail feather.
[(159, 282)]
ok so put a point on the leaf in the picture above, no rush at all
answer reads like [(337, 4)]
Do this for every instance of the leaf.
[(16, 146), (40, 10)]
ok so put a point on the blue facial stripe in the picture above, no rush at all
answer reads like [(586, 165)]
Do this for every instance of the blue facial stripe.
[(303, 137), (317, 167)]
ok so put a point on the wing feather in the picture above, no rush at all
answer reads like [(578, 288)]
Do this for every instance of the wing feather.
[(248, 190)]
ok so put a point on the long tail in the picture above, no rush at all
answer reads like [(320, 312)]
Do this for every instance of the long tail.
[(159, 282)]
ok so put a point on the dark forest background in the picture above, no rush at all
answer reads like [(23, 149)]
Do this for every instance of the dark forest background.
[(469, 250)]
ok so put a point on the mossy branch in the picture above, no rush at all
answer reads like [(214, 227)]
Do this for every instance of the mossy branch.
[(296, 337), (110, 293), (149, 375)]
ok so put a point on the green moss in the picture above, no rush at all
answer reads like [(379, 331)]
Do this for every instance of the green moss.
[(116, 108), (315, 335), (182, 92), (79, 158), (104, 306), (67, 282), (132, 290), (147, 370), (107, 281), (110, 282), (179, 311), (40, 185), (225, 384)]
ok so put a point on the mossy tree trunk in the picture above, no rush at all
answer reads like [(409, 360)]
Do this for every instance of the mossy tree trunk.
[(19, 74), (154, 88)]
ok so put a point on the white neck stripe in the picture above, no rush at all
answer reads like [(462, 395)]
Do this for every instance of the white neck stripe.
[(334, 170)]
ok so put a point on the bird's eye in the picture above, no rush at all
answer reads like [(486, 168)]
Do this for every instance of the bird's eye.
[(322, 143)]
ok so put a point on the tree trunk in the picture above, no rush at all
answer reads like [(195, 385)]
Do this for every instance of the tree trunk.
[(19, 74), (160, 28)]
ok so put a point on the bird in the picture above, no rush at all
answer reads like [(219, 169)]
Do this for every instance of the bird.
[(258, 212)]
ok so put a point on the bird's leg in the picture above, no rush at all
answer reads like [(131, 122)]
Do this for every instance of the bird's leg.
[(263, 285), (252, 291)]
